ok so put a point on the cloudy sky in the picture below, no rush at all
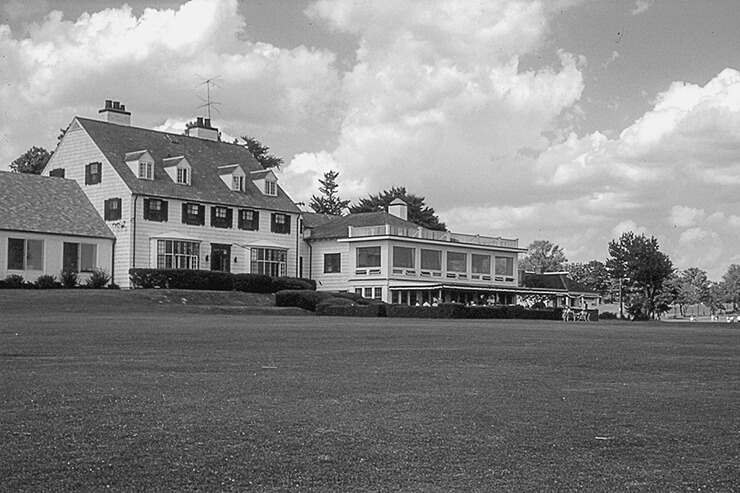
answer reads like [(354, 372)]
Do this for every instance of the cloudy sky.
[(566, 120)]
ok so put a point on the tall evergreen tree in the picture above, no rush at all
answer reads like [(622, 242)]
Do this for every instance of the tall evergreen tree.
[(329, 202), (418, 212), (262, 153)]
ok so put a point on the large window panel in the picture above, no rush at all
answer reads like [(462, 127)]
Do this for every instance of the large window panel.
[(269, 261), (88, 253), (71, 257), (34, 255), (16, 253), (431, 259), (176, 254), (457, 262), (332, 263), (480, 264), (368, 257), (404, 257), (504, 266)]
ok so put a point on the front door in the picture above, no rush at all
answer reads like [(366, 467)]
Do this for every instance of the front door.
[(220, 257)]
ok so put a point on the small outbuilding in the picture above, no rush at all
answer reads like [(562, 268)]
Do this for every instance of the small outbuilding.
[(47, 226)]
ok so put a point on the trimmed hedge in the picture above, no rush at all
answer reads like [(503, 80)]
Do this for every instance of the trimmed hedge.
[(209, 280), (352, 310), (456, 310), (318, 301), (308, 300)]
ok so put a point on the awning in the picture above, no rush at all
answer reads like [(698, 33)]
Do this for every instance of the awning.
[(264, 244), (174, 235)]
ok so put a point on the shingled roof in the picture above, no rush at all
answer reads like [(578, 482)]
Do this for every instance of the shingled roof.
[(328, 228), (560, 281), (117, 142), (39, 204)]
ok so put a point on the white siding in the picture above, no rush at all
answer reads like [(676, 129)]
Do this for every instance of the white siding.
[(52, 254), (328, 282)]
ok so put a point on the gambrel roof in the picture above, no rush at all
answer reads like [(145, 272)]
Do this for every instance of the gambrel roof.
[(118, 142), (40, 204)]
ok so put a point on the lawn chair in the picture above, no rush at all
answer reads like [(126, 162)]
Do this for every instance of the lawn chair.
[(568, 314), (583, 316)]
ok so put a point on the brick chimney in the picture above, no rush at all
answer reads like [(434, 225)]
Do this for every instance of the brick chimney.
[(115, 112), (203, 129), (399, 208)]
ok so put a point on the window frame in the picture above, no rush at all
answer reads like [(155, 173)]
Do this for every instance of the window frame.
[(195, 217), (450, 263), (93, 178), (112, 209), (146, 170), (473, 266), (397, 259), (271, 262), (363, 255), (509, 263), (222, 217), (332, 263), (157, 214), (182, 254), (183, 176), (423, 261), (24, 257), (249, 225), (271, 188), (280, 227), (83, 255), (57, 173)]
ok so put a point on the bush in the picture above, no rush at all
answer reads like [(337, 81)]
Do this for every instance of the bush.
[(68, 278), (456, 310), (283, 283), (351, 310), (47, 281), (14, 281), (608, 315), (98, 279), (253, 283), (301, 298)]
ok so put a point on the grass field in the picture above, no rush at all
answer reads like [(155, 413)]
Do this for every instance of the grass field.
[(131, 397)]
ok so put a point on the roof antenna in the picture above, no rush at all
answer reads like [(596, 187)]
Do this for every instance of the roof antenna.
[(207, 103)]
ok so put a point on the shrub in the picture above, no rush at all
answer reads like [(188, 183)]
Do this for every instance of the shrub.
[(208, 280), (308, 300), (68, 278), (608, 315), (98, 279), (147, 278), (47, 281), (351, 309), (14, 281), (283, 283), (253, 283)]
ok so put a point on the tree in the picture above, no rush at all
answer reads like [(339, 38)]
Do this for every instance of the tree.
[(329, 202), (543, 256), (731, 282), (592, 275), (32, 161), (692, 288), (418, 212), (639, 261), (261, 153)]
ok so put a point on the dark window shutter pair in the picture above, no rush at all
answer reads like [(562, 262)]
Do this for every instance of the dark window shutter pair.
[(222, 222), (57, 173), (113, 209), (282, 227), (251, 225), (198, 219), (93, 173), (150, 214)]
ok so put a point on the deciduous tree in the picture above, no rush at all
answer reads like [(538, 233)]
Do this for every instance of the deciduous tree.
[(32, 161), (544, 256), (639, 261)]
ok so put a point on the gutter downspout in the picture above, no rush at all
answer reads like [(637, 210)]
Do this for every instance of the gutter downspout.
[(298, 231), (135, 198)]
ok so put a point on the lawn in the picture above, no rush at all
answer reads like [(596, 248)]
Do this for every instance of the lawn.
[(132, 397)]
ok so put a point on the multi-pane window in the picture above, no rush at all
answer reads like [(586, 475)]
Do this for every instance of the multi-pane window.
[(237, 183), (93, 173), (249, 220), (25, 254), (270, 187), (480, 264), (145, 170), (57, 172), (403, 257), (221, 217), (79, 257), (183, 176), (155, 210), (368, 257), (112, 209), (431, 259), (280, 223), (193, 214), (505, 266), (457, 261), (332, 263), (377, 293), (177, 254), (269, 261)]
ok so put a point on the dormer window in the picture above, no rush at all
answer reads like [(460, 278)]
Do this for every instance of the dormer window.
[(141, 164), (179, 169), (238, 183), (145, 170), (270, 188), (266, 181), (183, 177)]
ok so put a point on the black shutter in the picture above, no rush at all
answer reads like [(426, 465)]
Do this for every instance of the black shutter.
[(287, 224), (256, 220), (146, 208), (273, 224), (165, 215), (88, 177), (185, 218), (202, 215), (214, 219), (230, 217)]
